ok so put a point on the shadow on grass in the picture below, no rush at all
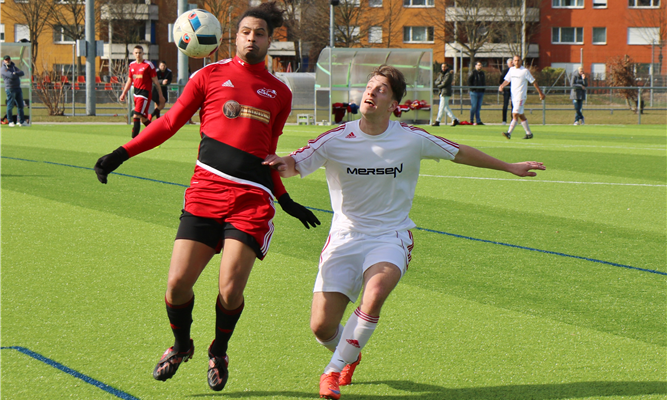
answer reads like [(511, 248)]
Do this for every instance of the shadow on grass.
[(516, 392)]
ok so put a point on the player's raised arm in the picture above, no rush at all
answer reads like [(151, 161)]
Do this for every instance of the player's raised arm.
[(471, 156), (284, 165)]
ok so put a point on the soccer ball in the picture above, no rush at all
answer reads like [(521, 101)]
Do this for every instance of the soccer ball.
[(197, 33)]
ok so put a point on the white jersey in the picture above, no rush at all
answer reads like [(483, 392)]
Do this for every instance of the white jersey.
[(372, 178), (518, 78)]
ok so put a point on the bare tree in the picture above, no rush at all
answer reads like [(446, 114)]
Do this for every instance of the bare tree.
[(511, 27), (223, 11), (128, 23), (621, 72), (393, 12), (316, 31), (471, 24), (652, 18), (35, 15), (351, 24), (68, 18)]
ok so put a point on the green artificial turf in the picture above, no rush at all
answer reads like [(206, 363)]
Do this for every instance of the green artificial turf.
[(550, 287)]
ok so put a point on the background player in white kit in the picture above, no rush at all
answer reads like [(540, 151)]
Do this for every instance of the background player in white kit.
[(372, 167), (518, 76)]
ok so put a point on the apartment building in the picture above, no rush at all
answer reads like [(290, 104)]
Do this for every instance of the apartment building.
[(560, 33), (589, 32)]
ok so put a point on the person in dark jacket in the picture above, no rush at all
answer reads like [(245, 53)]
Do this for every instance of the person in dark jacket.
[(444, 83), (476, 78), (578, 94), (11, 74), (164, 78), (507, 94)]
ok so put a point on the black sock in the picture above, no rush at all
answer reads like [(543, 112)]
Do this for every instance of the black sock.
[(156, 113), (135, 127), (225, 321), (147, 122), (180, 319)]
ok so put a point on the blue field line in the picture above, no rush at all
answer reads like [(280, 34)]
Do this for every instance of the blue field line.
[(543, 251), (421, 229), (76, 374)]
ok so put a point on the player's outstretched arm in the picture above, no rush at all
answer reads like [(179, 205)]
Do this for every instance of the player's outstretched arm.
[(471, 156), (284, 165)]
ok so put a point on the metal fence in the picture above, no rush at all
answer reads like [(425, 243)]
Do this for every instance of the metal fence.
[(602, 101)]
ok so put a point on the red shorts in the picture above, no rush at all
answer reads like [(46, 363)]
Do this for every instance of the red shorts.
[(141, 104), (246, 208)]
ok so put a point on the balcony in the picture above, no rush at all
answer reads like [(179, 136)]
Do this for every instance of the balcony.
[(505, 14), (140, 12), (491, 50), (151, 51)]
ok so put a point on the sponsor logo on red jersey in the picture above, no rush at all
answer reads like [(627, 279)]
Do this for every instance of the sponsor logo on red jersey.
[(268, 93)]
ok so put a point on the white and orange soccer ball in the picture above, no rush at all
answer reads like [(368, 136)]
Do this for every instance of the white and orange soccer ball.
[(197, 33)]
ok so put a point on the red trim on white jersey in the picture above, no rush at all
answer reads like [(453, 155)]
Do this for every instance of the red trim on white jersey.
[(430, 137)]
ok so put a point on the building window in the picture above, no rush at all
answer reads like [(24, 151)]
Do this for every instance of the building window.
[(21, 32), (598, 71), (2, 33), (375, 3), (354, 3), (418, 3), (375, 34), (643, 3), (60, 34), (567, 35), (599, 35), (567, 3), (599, 3), (643, 36), (418, 34)]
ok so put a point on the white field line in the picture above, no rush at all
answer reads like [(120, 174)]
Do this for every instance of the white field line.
[(543, 181)]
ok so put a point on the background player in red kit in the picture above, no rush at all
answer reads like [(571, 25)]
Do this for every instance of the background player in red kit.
[(142, 76), (229, 201)]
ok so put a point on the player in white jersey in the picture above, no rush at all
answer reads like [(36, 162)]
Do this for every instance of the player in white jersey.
[(372, 167), (519, 76)]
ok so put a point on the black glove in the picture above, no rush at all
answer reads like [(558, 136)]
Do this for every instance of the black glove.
[(107, 164), (298, 211)]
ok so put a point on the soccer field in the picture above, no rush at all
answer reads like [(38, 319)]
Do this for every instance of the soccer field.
[(551, 287)]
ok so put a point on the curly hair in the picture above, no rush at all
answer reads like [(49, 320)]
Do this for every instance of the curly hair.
[(269, 12)]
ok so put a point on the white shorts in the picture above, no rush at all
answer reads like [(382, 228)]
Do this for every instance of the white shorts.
[(347, 255), (517, 105)]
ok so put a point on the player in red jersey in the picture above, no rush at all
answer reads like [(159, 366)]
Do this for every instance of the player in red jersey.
[(229, 201), (142, 75)]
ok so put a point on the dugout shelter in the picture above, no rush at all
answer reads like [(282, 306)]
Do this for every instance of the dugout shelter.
[(342, 73), (21, 56)]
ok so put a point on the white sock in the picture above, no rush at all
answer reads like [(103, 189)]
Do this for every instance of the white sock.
[(356, 334), (332, 342), (512, 125), (525, 127)]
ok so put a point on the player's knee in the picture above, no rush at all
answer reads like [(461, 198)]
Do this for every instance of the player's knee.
[(231, 297), (322, 330)]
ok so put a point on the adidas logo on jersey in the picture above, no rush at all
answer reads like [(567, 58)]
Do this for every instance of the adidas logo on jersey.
[(350, 136), (228, 84)]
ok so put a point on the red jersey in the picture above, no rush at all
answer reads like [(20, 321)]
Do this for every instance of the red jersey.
[(142, 75), (243, 109)]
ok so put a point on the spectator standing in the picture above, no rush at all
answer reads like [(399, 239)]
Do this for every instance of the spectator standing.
[(578, 94), (444, 83), (11, 74), (478, 79), (164, 78), (507, 94)]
